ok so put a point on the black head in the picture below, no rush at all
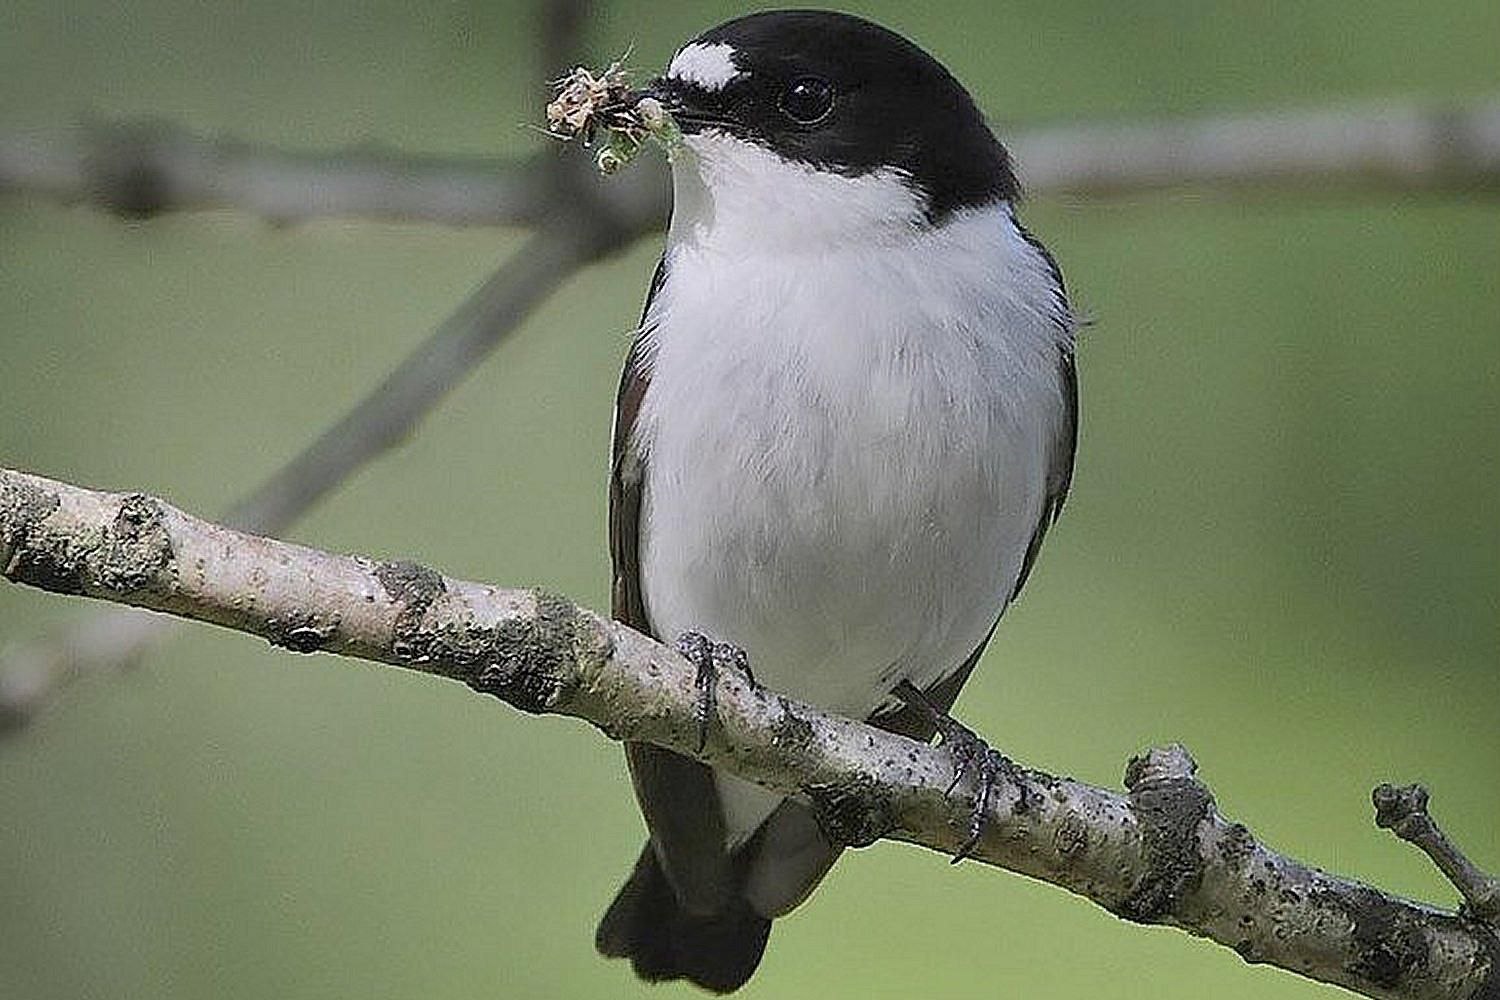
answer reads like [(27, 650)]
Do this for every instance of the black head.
[(843, 95)]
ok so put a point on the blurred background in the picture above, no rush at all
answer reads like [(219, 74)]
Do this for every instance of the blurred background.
[(1282, 549)]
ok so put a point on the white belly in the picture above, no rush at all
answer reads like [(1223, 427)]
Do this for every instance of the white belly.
[(843, 470)]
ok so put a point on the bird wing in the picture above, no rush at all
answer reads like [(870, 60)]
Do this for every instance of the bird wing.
[(677, 795), (1065, 435)]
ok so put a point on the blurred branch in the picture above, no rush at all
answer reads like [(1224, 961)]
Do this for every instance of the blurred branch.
[(1392, 147), (1160, 854), (594, 222), (146, 168), (393, 409)]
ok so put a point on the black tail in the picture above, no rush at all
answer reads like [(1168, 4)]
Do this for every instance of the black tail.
[(663, 941)]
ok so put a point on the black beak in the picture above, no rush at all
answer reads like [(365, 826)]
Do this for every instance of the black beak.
[(661, 90), (689, 106)]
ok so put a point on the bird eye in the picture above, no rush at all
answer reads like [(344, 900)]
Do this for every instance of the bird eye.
[(807, 100)]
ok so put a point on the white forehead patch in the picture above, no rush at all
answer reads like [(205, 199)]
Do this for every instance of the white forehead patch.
[(709, 66)]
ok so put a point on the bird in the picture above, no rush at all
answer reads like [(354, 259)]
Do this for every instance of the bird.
[(845, 423)]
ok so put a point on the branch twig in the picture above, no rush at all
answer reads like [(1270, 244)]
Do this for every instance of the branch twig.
[(1160, 854), (1403, 811)]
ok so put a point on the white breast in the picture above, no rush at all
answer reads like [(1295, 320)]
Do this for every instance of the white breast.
[(845, 453)]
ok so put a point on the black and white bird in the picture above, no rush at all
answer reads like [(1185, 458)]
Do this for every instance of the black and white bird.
[(846, 423)]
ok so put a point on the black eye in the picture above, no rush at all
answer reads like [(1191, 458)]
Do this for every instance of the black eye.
[(807, 100)]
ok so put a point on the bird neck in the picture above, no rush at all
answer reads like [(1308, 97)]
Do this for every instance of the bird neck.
[(739, 198)]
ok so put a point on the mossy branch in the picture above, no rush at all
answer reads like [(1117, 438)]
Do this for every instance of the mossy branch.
[(1158, 853)]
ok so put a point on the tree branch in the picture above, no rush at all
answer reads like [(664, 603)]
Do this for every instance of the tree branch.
[(143, 168), (1161, 853), (1392, 147), (146, 168)]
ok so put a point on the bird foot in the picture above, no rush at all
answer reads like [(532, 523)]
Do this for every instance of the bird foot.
[(710, 657), (972, 758)]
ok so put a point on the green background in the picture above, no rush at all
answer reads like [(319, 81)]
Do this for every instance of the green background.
[(1283, 547)]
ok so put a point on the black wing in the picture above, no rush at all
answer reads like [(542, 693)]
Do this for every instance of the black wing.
[(626, 475), (1065, 442), (680, 914), (677, 795), (1059, 468)]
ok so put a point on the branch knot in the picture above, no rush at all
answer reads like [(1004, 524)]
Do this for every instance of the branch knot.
[(1170, 804)]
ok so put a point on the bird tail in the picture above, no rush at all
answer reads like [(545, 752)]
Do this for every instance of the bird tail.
[(647, 924)]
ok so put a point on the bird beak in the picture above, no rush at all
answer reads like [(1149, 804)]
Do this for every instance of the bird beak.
[(687, 105), (662, 91)]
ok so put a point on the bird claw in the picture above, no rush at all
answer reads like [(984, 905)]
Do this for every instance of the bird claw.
[(710, 658), (972, 757)]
